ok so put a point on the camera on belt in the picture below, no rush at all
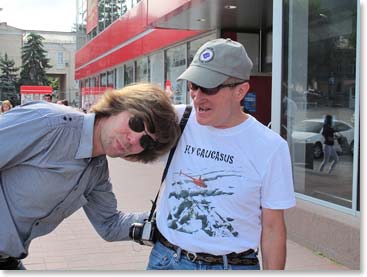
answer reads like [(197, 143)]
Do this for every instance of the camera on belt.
[(144, 233)]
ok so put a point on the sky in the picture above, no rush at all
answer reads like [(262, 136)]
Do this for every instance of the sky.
[(44, 15)]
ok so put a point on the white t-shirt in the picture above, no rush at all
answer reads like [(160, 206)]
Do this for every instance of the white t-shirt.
[(217, 183)]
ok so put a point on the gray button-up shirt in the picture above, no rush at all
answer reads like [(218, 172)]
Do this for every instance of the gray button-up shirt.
[(47, 173)]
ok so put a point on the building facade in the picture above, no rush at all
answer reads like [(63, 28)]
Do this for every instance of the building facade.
[(306, 65), (60, 48)]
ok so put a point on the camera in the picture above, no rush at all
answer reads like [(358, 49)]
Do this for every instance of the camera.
[(144, 233)]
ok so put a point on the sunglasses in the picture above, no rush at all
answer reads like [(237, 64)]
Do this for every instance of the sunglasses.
[(212, 91), (137, 125)]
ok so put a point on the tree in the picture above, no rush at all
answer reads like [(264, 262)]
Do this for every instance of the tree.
[(34, 61), (8, 78)]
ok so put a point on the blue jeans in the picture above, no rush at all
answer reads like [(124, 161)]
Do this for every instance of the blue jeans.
[(163, 258), (329, 154)]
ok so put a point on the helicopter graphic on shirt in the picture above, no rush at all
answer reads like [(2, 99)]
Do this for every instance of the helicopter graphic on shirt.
[(197, 181)]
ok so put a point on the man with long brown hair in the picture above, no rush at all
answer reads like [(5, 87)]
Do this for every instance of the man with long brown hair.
[(55, 163)]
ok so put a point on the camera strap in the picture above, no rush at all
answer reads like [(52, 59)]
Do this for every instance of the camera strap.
[(183, 122)]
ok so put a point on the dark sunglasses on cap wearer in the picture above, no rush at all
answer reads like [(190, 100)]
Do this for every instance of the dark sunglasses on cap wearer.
[(137, 125), (212, 91)]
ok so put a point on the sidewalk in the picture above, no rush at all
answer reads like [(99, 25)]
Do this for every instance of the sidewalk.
[(74, 245)]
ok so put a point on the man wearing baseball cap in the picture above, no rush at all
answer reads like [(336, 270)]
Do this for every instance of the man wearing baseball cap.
[(230, 178)]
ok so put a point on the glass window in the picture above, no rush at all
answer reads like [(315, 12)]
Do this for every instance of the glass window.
[(251, 43), (319, 80), (157, 68), (142, 70), (111, 78), (93, 82), (129, 73), (109, 11), (103, 79), (60, 58), (120, 77), (176, 64)]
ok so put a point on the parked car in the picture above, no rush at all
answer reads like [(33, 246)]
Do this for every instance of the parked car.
[(309, 131)]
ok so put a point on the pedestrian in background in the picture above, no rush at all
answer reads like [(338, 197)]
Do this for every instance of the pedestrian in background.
[(47, 97), (230, 178), (6, 106), (55, 163), (63, 102), (330, 154)]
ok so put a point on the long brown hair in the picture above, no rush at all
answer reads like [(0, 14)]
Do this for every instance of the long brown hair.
[(149, 102)]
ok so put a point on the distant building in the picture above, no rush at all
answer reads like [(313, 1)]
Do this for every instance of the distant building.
[(60, 47), (11, 42)]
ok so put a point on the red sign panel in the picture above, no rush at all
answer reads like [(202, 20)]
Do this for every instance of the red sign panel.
[(92, 15), (94, 90), (35, 89)]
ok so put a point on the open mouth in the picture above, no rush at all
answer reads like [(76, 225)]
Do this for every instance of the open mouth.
[(202, 110)]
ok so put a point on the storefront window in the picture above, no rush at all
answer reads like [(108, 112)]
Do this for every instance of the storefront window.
[(120, 77), (318, 80), (109, 11), (129, 73), (157, 68), (103, 78), (111, 78), (251, 43), (176, 64), (142, 70)]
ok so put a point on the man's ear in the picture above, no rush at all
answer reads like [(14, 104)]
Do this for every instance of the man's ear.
[(242, 90)]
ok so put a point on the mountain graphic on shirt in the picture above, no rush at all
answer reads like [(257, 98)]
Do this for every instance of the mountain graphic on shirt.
[(194, 211)]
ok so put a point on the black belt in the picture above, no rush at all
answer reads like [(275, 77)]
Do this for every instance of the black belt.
[(232, 258), (9, 263)]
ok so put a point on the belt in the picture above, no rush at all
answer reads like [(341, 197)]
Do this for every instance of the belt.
[(232, 258), (9, 263)]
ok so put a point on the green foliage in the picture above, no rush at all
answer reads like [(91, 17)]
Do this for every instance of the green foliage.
[(34, 61), (8, 78), (54, 83)]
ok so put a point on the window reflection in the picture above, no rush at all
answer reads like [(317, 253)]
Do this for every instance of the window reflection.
[(319, 79), (142, 70), (176, 64)]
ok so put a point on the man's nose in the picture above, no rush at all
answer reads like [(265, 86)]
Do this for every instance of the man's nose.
[(134, 138), (197, 94)]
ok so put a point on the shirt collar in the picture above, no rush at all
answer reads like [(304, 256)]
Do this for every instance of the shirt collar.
[(86, 140)]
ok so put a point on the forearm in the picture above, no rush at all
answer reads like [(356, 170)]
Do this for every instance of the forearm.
[(101, 210), (273, 246), (116, 227)]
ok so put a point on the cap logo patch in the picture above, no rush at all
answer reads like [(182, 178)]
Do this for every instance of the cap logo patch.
[(207, 55)]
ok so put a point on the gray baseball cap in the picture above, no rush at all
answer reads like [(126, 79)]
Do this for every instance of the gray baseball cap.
[(216, 61)]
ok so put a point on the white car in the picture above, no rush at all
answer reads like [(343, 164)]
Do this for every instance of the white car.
[(309, 131)]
